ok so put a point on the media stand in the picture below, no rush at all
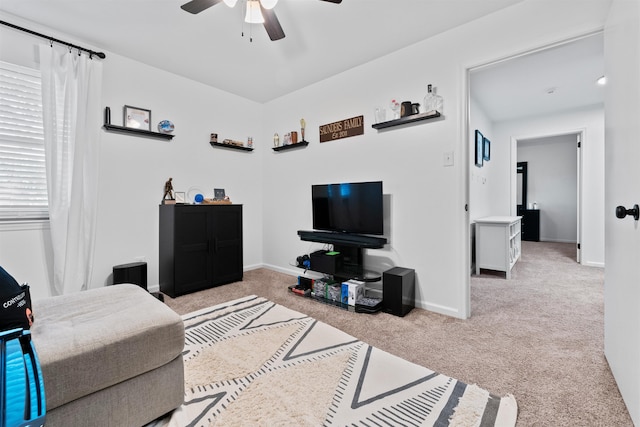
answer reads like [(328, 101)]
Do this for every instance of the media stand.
[(346, 260), (343, 263)]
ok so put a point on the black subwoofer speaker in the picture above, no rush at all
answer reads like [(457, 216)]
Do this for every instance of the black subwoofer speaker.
[(135, 272), (398, 290)]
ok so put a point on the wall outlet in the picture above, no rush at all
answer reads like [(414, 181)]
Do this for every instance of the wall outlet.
[(448, 158)]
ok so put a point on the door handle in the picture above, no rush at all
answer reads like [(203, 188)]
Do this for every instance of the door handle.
[(621, 212)]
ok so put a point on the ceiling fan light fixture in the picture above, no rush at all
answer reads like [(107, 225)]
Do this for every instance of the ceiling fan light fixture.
[(254, 15), (230, 3), (269, 4)]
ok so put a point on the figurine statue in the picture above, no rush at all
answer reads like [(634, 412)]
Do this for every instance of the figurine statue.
[(168, 190), (303, 124)]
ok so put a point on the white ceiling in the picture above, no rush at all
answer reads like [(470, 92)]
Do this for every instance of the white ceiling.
[(322, 39), (548, 81)]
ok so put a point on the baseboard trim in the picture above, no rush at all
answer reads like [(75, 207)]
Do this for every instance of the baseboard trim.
[(440, 309), (252, 267), (156, 287), (549, 240), (295, 272), (593, 264)]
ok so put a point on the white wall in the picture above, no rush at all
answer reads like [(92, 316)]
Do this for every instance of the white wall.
[(552, 184), (427, 222), (133, 170), (484, 181), (591, 122)]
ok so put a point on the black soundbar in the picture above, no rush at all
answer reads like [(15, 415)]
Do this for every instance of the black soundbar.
[(344, 239)]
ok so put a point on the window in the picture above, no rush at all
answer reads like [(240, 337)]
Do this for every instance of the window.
[(23, 183)]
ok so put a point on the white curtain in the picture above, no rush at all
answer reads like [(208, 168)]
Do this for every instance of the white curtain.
[(71, 99)]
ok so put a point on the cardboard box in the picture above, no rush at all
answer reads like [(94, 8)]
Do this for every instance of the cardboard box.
[(344, 298), (333, 292), (352, 290), (320, 288)]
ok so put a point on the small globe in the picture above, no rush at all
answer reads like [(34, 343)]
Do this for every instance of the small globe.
[(165, 126)]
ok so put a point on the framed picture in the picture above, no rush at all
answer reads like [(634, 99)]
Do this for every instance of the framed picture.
[(218, 194), (486, 149), (137, 118), (479, 148)]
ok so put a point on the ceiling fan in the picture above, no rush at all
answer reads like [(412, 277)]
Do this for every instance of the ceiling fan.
[(258, 11)]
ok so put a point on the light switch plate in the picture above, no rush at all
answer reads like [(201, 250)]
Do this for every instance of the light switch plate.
[(448, 158)]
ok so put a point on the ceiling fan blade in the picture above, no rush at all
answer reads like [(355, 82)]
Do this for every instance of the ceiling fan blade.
[(197, 6), (271, 24), (334, 1)]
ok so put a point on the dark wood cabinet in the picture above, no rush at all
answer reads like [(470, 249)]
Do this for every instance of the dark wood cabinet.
[(200, 247)]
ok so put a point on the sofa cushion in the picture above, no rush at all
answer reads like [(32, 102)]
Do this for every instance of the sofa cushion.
[(91, 340)]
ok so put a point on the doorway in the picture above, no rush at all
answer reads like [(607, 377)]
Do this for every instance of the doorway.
[(531, 96), (548, 188)]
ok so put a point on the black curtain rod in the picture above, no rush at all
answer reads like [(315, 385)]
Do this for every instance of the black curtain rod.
[(100, 55)]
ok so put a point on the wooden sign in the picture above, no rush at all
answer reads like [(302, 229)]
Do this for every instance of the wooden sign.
[(342, 129)]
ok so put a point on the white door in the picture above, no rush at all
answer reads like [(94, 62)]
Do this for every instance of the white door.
[(622, 187), (579, 196)]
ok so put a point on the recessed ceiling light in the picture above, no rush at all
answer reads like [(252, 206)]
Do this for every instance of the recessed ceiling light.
[(602, 81)]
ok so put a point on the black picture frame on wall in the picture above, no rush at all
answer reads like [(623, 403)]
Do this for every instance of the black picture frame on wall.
[(486, 149), (479, 148), (137, 118)]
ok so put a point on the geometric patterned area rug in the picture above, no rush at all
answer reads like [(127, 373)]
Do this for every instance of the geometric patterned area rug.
[(253, 362)]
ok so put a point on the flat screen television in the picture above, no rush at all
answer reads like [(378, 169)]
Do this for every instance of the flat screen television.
[(354, 207)]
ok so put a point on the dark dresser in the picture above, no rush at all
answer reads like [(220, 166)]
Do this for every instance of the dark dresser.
[(200, 247), (530, 224)]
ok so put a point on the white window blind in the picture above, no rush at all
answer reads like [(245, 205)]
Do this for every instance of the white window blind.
[(23, 184)]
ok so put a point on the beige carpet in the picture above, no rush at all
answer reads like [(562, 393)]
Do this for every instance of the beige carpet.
[(251, 362), (538, 336)]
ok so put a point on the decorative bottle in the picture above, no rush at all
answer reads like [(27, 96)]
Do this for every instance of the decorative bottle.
[(428, 99), (432, 101), (438, 102)]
